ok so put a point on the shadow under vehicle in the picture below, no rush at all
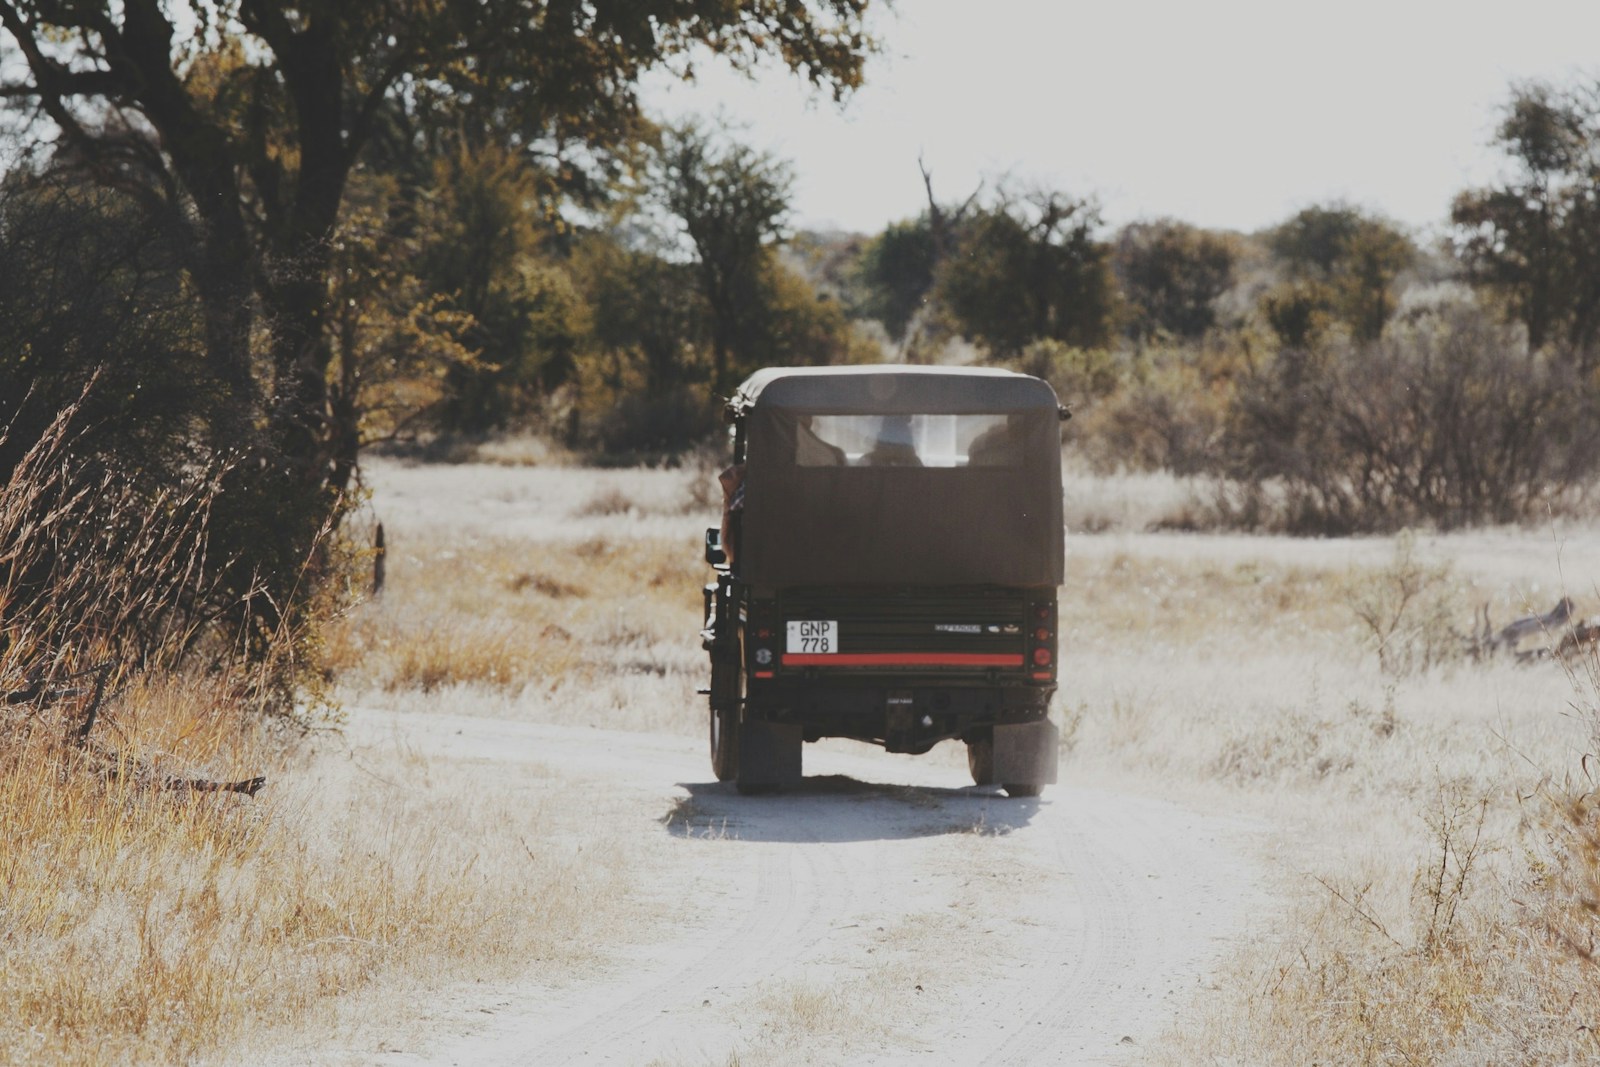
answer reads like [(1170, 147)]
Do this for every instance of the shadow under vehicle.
[(887, 571)]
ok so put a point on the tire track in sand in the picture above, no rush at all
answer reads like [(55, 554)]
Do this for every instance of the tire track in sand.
[(1130, 901)]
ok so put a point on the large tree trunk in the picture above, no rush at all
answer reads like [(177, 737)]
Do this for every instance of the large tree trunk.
[(295, 292)]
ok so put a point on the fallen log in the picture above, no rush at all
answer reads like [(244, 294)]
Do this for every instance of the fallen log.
[(35, 689), (1585, 636), (1489, 642), (114, 765), (248, 786)]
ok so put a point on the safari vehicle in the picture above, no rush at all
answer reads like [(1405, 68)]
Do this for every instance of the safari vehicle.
[(889, 572)]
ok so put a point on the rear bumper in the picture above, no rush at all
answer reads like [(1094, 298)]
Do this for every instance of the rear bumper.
[(902, 714)]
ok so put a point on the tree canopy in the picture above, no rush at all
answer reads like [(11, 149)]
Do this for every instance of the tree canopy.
[(897, 270), (1343, 264), (1534, 240), (1172, 274), (253, 113), (1028, 270), (236, 126), (732, 204)]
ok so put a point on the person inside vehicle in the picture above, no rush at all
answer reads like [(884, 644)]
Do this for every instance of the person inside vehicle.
[(811, 450), (895, 446), (1000, 445)]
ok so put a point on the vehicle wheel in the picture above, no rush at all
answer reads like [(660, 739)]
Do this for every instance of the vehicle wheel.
[(980, 760), (727, 697), (1023, 790), (725, 742)]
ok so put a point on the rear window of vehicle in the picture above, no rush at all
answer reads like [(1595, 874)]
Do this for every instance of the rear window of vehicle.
[(908, 441)]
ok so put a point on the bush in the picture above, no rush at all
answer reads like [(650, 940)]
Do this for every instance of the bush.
[(1406, 611), (642, 424), (1448, 420), (1163, 409), (116, 429)]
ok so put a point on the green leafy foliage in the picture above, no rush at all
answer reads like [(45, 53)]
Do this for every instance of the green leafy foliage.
[(731, 203), (240, 125), (1534, 241), (1172, 274), (897, 270), (1344, 265), (484, 252), (1031, 270), (93, 293)]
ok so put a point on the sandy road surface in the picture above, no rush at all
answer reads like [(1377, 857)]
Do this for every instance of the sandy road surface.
[(882, 913)]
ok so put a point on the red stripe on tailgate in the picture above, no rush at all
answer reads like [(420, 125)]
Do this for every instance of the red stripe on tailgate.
[(903, 659)]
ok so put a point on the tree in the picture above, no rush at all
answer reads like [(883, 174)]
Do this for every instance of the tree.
[(643, 305), (1344, 265), (1534, 241), (1029, 270), (395, 339), (897, 269), (484, 249), (802, 327), (91, 294), (1171, 274), (732, 204), (1313, 241), (239, 121), (1365, 286), (900, 270)]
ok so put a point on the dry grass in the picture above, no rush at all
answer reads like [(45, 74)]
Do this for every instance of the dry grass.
[(1442, 871), (599, 629), (1439, 848), (121, 901), (1294, 678), (1436, 894), (149, 925), (145, 923), (1131, 501)]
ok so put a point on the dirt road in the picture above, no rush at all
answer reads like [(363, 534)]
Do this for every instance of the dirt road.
[(882, 913)]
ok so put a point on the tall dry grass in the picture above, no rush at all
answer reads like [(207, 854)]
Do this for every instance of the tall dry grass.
[(1322, 684), (578, 603), (150, 925), (1437, 841), (145, 917)]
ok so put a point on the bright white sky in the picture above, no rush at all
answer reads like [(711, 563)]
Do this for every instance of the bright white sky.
[(1224, 113)]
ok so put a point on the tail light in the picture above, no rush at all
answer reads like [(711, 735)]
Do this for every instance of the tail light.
[(1042, 640), (761, 641)]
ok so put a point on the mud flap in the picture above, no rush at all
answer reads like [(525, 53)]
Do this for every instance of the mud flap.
[(1027, 753), (769, 756)]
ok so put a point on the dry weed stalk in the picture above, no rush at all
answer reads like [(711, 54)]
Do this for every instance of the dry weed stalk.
[(1572, 878), (146, 923), (92, 570), (1406, 609), (99, 583)]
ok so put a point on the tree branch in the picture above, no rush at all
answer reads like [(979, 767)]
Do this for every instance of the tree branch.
[(46, 73)]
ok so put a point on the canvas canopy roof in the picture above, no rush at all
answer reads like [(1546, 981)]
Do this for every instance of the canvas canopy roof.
[(900, 476), (889, 389)]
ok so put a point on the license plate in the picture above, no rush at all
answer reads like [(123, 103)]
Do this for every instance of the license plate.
[(813, 637)]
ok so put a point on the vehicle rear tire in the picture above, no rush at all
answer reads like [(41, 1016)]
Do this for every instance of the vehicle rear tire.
[(1017, 790), (725, 742), (727, 698)]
